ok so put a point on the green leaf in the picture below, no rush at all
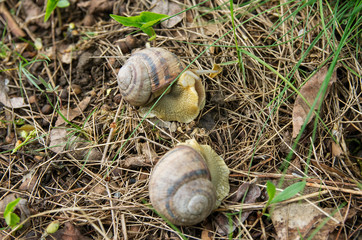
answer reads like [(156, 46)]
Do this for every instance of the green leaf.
[(271, 189), (149, 31), (289, 192), (51, 5), (128, 21), (11, 218), (10, 207), (149, 18), (144, 21), (63, 4)]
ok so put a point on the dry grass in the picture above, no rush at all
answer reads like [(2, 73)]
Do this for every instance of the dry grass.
[(247, 120)]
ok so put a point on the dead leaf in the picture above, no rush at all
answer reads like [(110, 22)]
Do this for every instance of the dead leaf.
[(69, 232), (62, 140), (70, 114), (296, 220), (136, 161), (29, 180), (34, 14), (252, 192), (95, 7), (16, 102), (171, 126), (336, 150), (206, 235), (211, 29), (58, 139), (309, 91), (168, 8)]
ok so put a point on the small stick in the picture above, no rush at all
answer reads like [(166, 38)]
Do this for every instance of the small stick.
[(124, 228), (13, 26), (105, 151)]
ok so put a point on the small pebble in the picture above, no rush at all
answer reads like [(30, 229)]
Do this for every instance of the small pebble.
[(64, 94), (77, 89), (46, 109)]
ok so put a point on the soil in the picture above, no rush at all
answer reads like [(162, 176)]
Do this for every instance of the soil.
[(96, 183)]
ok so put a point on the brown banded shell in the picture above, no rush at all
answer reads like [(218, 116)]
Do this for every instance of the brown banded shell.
[(180, 187), (146, 74)]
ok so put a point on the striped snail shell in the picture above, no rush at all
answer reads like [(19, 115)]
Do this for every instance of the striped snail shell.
[(146, 74), (181, 188), (185, 187)]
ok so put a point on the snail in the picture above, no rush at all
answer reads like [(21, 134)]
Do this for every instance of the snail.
[(149, 72), (188, 183)]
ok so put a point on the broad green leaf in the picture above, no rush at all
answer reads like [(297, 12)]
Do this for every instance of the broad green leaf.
[(128, 21), (12, 220), (150, 18), (63, 4), (289, 192), (51, 5), (144, 21), (10, 207), (149, 31), (271, 189)]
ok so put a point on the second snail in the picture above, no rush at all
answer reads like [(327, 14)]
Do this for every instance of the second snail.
[(148, 73), (188, 183)]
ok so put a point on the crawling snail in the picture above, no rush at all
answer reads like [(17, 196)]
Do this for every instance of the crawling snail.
[(148, 73), (188, 183)]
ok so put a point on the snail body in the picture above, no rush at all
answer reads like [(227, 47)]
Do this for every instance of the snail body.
[(185, 187)]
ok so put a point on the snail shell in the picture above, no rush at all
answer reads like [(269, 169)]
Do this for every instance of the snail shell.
[(146, 74), (180, 187)]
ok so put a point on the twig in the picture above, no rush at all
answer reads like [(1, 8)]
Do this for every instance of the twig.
[(110, 135), (12, 25)]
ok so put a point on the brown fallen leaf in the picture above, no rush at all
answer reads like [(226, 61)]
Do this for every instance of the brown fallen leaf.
[(248, 192), (34, 14), (96, 6), (70, 114), (69, 232), (62, 140), (136, 161), (168, 8), (29, 180), (299, 220), (309, 91), (206, 235), (15, 102), (146, 157)]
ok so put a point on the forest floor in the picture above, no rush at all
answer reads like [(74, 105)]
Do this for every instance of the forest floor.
[(76, 153)]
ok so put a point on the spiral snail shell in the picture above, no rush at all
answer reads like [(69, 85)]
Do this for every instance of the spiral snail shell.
[(146, 74), (188, 183)]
